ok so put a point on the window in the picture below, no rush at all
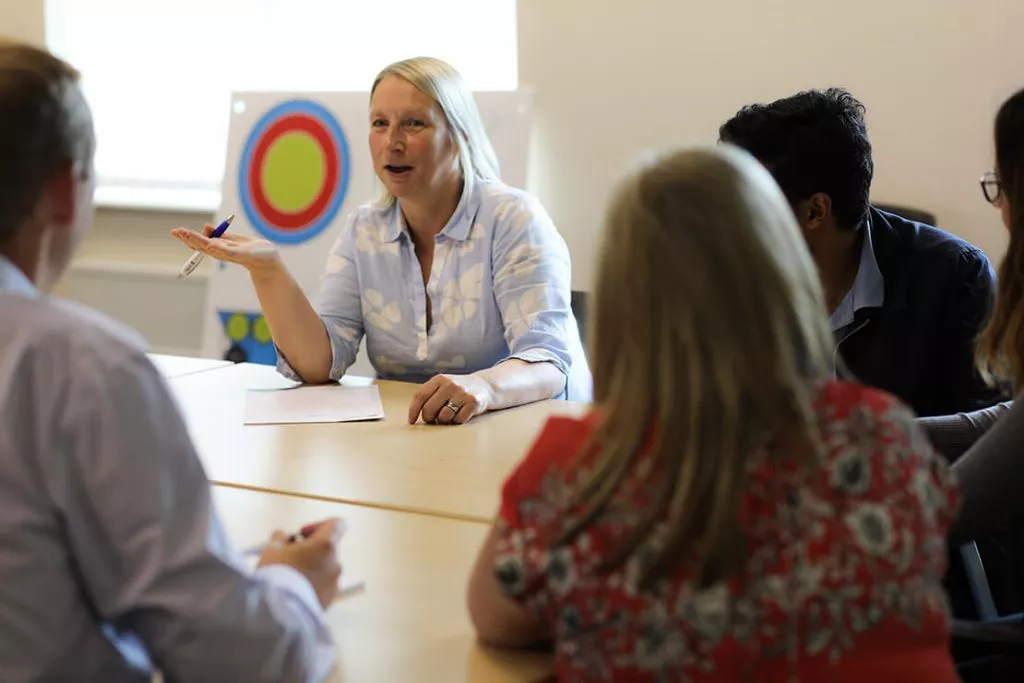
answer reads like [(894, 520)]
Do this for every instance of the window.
[(158, 74)]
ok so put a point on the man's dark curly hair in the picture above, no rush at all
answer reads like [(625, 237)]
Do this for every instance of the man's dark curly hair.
[(814, 141)]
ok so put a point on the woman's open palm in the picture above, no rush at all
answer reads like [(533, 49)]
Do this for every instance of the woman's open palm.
[(249, 252)]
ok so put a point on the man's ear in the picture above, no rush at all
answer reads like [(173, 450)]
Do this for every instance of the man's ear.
[(60, 197), (818, 210)]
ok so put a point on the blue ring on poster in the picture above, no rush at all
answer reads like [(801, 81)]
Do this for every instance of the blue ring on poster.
[(266, 228)]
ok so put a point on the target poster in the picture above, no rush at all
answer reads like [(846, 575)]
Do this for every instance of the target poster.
[(296, 166)]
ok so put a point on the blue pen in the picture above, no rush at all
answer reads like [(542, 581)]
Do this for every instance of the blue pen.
[(197, 257)]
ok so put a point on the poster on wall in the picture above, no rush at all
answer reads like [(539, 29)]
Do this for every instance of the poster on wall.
[(297, 164)]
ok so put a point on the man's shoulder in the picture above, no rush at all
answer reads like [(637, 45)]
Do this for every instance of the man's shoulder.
[(69, 333), (97, 329), (920, 242), (956, 247)]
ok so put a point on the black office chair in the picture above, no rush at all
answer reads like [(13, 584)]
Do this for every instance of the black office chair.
[(989, 647), (578, 303), (911, 214)]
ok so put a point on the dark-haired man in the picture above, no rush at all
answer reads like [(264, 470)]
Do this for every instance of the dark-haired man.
[(906, 300), (112, 559)]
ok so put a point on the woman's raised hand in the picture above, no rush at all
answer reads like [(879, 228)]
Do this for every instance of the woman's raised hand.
[(249, 252)]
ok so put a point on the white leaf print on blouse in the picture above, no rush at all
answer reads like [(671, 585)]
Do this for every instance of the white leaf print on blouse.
[(388, 366), (520, 262), (466, 246), (370, 240), (455, 363), (377, 313), (523, 310), (514, 211), (346, 333), (461, 298), (335, 264), (504, 209)]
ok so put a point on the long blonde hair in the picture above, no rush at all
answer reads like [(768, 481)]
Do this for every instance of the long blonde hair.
[(442, 83), (708, 327)]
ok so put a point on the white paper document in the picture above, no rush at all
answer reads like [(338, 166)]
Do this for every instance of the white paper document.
[(307, 404)]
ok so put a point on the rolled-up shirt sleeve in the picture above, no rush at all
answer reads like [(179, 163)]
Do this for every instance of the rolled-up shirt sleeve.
[(152, 556), (338, 302), (532, 284)]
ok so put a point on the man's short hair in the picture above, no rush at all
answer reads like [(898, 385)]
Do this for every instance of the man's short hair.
[(814, 141), (45, 125)]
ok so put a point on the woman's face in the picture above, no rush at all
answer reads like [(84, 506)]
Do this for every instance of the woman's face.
[(995, 194), (412, 149)]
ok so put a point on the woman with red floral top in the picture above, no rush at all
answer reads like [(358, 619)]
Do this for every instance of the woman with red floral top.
[(728, 511)]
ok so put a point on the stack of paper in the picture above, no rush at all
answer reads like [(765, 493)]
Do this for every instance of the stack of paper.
[(319, 403)]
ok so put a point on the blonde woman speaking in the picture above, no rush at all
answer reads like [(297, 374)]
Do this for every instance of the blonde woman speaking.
[(456, 280)]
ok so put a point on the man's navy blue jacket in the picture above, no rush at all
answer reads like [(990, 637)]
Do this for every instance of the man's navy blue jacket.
[(919, 345)]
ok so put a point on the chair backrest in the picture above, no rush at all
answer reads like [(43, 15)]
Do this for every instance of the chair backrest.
[(981, 591), (911, 214), (578, 303)]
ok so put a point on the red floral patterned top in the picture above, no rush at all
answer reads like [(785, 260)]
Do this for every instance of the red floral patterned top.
[(842, 581)]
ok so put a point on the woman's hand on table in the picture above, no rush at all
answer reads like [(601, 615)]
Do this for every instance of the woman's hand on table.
[(450, 399)]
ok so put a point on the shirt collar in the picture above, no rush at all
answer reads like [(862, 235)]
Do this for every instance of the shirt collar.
[(458, 225), (868, 290), (13, 281)]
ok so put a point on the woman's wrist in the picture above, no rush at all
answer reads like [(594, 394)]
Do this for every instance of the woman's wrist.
[(268, 273), (484, 389)]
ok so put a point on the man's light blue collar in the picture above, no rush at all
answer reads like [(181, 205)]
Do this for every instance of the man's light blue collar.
[(13, 281), (868, 290)]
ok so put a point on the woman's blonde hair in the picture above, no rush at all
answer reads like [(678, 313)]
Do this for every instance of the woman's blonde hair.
[(442, 83), (708, 331)]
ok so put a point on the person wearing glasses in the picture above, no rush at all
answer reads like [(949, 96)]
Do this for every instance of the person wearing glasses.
[(906, 300), (953, 434), (991, 471)]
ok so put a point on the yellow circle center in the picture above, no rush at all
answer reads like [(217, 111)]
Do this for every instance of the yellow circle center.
[(261, 330), (293, 172), (238, 327)]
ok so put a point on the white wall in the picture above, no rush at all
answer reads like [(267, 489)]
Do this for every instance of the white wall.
[(23, 20), (612, 78)]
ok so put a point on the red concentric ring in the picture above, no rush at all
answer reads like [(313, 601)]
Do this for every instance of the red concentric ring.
[(294, 123)]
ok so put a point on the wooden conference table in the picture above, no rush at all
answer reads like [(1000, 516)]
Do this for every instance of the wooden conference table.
[(418, 501), (448, 471), (410, 622)]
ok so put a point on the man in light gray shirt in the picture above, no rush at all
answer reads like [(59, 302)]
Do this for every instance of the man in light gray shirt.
[(113, 563)]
